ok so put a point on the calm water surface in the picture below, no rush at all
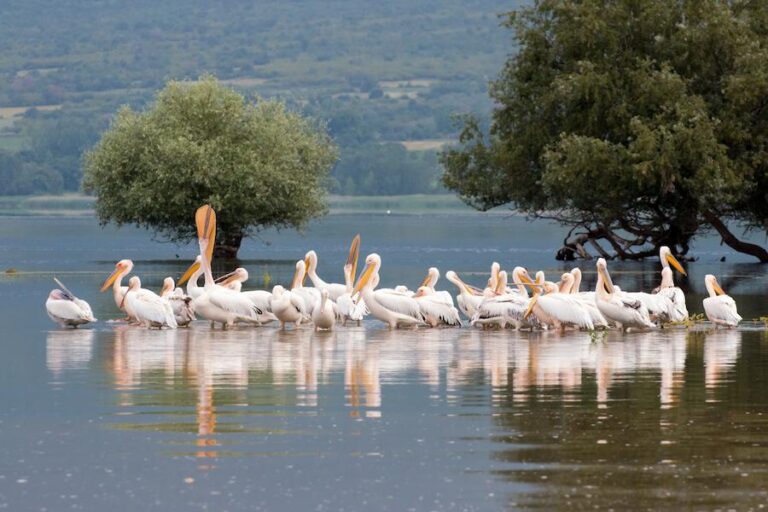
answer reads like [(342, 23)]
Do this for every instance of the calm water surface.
[(120, 418)]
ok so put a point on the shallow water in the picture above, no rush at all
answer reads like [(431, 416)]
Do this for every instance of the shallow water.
[(120, 418)]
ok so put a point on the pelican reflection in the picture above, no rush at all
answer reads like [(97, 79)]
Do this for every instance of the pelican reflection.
[(67, 350)]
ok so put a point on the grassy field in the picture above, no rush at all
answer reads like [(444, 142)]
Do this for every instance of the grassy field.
[(78, 205)]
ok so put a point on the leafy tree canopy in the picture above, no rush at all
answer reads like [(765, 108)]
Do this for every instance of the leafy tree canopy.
[(639, 124), (258, 165)]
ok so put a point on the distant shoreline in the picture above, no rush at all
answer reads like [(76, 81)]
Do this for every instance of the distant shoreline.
[(79, 205)]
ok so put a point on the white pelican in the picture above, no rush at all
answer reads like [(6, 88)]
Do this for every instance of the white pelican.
[(500, 308), (311, 296), (67, 310), (180, 303), (217, 303), (346, 308), (122, 269), (568, 285), (262, 299), (433, 276), (147, 306), (434, 308), (335, 290), (323, 316), (560, 309), (625, 312), (667, 286), (394, 309), (288, 307), (469, 298), (719, 307), (192, 275), (660, 307)]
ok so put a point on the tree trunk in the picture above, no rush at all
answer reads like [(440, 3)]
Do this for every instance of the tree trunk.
[(227, 245), (733, 242)]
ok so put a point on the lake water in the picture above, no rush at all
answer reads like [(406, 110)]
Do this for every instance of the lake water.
[(120, 418)]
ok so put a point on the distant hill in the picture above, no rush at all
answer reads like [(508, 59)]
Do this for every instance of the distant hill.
[(377, 72)]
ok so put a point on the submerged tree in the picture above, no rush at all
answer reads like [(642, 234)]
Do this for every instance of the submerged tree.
[(258, 165), (637, 124)]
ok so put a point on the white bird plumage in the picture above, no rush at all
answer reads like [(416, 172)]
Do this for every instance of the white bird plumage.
[(66, 309), (719, 306), (147, 307)]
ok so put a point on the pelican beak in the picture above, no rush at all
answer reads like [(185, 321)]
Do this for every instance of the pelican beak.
[(354, 254), (500, 288), (608, 283), (205, 220), (425, 282), (306, 270), (226, 278), (531, 304), (364, 278), (676, 264), (295, 281), (191, 270), (111, 278), (526, 280), (717, 288)]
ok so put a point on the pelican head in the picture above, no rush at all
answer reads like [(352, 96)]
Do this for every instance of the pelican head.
[(576, 273), (278, 291), (712, 285), (239, 275), (168, 286), (495, 269), (461, 285), (666, 257), (310, 262), (603, 277), (370, 274), (299, 274), (122, 268), (134, 283), (433, 274), (566, 283), (191, 270), (501, 284)]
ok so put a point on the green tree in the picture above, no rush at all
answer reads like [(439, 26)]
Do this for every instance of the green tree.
[(638, 124), (258, 165)]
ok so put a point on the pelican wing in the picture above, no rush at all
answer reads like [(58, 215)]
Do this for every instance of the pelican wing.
[(438, 309), (677, 297), (399, 303), (69, 310), (149, 307), (233, 302), (262, 299), (722, 310), (566, 309)]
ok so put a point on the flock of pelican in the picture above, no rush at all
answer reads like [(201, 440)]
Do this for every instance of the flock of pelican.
[(525, 303)]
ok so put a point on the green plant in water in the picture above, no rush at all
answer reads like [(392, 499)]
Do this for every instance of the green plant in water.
[(596, 336), (267, 279)]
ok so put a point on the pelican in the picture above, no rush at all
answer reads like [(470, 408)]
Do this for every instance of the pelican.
[(147, 306), (311, 296), (262, 299), (469, 298), (288, 307), (667, 287), (560, 309), (394, 309), (346, 308), (434, 308), (217, 303), (624, 311), (335, 290), (180, 303), (660, 307), (192, 275), (323, 316), (719, 307), (67, 310), (500, 308), (569, 286), (122, 269), (433, 276)]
